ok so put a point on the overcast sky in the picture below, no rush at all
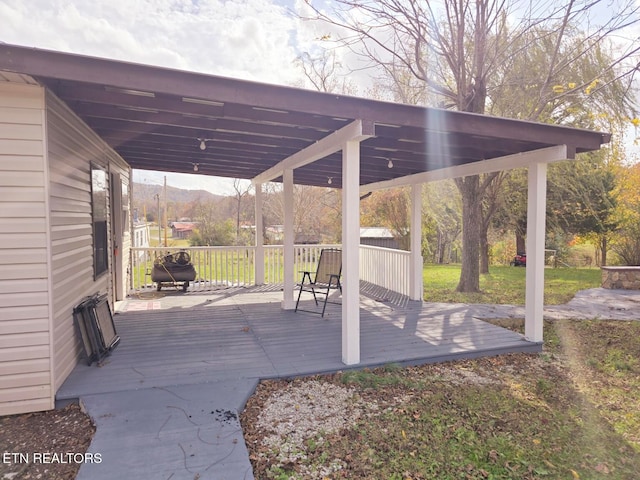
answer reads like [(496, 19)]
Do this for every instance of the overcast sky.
[(249, 39)]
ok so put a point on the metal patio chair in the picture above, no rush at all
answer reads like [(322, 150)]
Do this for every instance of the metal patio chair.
[(325, 278)]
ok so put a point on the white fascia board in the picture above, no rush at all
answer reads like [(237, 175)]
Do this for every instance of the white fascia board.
[(508, 162), (334, 142)]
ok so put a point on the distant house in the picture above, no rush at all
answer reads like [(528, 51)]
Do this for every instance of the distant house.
[(183, 229), (307, 239), (141, 237), (274, 234), (378, 237)]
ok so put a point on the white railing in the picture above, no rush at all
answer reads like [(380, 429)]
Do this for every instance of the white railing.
[(235, 266), (386, 267), (225, 266), (305, 259), (215, 266)]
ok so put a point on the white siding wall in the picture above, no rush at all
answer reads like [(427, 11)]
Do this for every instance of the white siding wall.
[(46, 249), (25, 366), (72, 148)]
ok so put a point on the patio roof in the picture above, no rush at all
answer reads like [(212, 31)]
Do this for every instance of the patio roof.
[(155, 118)]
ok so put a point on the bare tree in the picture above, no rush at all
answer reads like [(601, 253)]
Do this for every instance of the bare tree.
[(316, 210), (458, 49), (240, 192), (323, 70)]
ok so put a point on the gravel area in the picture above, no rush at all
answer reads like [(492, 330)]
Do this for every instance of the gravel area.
[(302, 414)]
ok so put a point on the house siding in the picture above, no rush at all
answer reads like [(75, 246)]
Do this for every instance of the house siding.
[(72, 146), (46, 240), (25, 352)]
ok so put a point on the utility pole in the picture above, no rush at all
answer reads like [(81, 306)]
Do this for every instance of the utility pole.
[(165, 210), (157, 195)]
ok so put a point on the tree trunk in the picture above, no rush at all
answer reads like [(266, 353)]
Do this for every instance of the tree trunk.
[(484, 252), (520, 243), (440, 248), (471, 220), (603, 251)]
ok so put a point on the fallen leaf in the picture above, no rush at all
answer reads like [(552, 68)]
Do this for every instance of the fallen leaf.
[(575, 474)]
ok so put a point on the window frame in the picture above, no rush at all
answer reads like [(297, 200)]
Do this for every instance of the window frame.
[(99, 219)]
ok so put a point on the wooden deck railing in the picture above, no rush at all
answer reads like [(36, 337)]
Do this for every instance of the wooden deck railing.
[(235, 266), (386, 267)]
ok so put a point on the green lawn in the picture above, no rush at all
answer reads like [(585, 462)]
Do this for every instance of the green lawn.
[(506, 285), (570, 413)]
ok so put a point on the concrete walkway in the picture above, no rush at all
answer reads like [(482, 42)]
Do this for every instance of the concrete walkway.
[(192, 431), (595, 303), (185, 432)]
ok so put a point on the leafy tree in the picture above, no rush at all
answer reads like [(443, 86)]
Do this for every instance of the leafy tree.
[(581, 200), (389, 209), (213, 227), (460, 49), (443, 208), (218, 233), (627, 241)]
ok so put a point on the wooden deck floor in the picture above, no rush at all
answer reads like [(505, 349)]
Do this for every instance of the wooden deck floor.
[(183, 339)]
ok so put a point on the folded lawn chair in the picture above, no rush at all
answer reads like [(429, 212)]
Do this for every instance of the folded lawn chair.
[(326, 278)]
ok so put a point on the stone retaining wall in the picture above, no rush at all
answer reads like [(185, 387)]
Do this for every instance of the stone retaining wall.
[(627, 278)]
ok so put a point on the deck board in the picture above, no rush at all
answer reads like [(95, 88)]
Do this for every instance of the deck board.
[(190, 339)]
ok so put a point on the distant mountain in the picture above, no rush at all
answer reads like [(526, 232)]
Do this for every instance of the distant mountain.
[(144, 192), (144, 198)]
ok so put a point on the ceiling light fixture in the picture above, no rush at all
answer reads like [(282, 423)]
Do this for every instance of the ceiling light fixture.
[(196, 166), (390, 164), (203, 142)]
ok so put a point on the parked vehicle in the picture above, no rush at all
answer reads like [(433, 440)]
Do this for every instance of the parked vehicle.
[(520, 260)]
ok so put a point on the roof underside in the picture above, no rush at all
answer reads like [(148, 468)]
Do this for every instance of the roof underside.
[(154, 117)]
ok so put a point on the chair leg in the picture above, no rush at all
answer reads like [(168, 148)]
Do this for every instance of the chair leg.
[(300, 291), (298, 301), (302, 284), (326, 297), (326, 294)]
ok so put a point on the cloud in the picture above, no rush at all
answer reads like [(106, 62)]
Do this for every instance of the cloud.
[(249, 39), (217, 185), (244, 39)]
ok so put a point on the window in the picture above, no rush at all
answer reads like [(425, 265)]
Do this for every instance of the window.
[(99, 219), (125, 208)]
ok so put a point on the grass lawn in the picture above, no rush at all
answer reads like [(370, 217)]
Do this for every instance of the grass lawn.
[(506, 285), (572, 412)]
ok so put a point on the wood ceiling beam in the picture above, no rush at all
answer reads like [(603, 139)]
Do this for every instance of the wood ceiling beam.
[(143, 78), (545, 155), (358, 130)]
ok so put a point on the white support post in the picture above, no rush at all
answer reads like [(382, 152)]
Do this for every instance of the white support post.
[(536, 215), (350, 253), (289, 283), (259, 256), (415, 282)]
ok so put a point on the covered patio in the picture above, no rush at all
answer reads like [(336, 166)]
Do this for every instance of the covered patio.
[(242, 333), (70, 113)]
